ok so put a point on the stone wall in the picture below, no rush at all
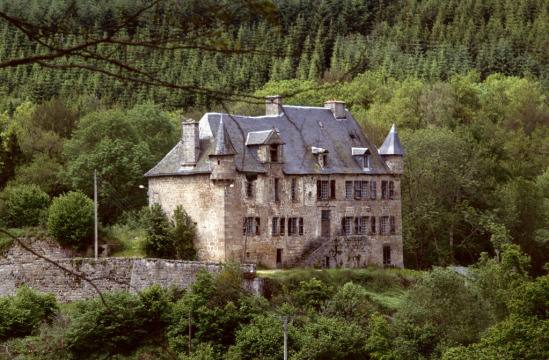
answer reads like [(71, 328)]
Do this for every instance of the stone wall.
[(18, 267)]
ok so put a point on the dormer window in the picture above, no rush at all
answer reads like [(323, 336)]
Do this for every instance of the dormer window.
[(362, 157), (321, 156), (273, 150)]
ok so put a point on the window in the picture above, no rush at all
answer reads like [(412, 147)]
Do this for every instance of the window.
[(386, 255), (323, 160), (249, 192), (277, 193), (248, 226), (282, 226), (364, 190), (383, 226), (257, 224), (348, 190), (292, 226), (300, 226), (391, 190), (361, 190), (275, 226), (322, 189), (361, 225), (373, 190), (293, 189), (366, 162), (332, 189), (347, 225), (274, 153), (384, 189), (373, 225), (392, 224)]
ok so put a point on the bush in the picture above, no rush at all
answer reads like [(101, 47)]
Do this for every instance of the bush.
[(97, 330), (169, 240), (71, 219), (22, 312), (25, 205)]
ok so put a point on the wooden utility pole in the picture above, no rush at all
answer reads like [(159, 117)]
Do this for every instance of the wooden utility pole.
[(95, 211), (190, 324)]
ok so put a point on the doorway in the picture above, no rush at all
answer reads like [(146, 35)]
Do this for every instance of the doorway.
[(325, 224)]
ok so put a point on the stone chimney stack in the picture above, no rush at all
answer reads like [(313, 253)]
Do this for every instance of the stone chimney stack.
[(337, 107), (191, 142), (273, 105)]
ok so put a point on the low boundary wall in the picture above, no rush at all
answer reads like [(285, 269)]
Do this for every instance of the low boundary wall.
[(18, 267)]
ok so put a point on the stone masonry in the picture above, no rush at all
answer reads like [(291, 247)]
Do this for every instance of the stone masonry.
[(18, 267), (301, 186)]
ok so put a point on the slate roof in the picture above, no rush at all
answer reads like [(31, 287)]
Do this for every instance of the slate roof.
[(222, 144), (392, 145), (299, 128)]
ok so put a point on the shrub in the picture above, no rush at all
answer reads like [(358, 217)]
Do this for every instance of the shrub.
[(25, 205), (97, 330), (22, 312), (71, 219), (169, 239)]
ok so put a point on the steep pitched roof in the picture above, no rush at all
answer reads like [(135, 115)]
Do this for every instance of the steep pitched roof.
[(222, 144), (392, 145), (299, 128)]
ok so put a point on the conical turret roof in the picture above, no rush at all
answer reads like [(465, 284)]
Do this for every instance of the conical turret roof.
[(392, 145), (222, 144)]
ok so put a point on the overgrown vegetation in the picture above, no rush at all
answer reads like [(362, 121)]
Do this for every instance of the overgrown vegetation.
[(438, 315)]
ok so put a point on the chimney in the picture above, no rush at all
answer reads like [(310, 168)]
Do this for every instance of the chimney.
[(337, 107), (191, 142), (273, 105)]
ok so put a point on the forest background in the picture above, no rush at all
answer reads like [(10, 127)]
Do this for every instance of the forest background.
[(466, 83)]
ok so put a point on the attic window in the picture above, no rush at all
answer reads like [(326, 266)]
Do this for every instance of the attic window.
[(352, 136), (274, 152), (320, 124), (323, 160), (362, 157)]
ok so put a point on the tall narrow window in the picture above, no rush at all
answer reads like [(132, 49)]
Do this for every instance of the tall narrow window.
[(384, 189), (322, 189), (391, 190), (347, 225), (373, 189), (348, 190), (364, 190), (358, 190), (332, 189), (383, 225), (282, 226), (275, 226), (373, 225), (392, 224), (249, 226), (257, 225), (274, 153), (300, 226), (277, 192), (292, 226), (249, 189), (386, 255), (293, 189), (364, 225)]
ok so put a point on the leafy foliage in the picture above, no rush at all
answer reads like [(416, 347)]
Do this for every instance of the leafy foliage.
[(26, 206), (70, 219), (22, 312), (169, 239)]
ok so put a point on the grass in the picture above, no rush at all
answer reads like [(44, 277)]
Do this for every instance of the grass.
[(129, 238)]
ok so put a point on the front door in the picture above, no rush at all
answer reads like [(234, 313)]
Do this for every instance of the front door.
[(325, 224), (279, 258)]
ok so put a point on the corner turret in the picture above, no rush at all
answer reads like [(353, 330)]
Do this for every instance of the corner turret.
[(393, 152), (222, 162)]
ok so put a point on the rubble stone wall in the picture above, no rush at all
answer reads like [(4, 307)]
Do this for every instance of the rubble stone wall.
[(18, 267)]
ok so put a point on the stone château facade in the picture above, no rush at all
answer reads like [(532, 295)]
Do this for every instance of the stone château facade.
[(299, 186)]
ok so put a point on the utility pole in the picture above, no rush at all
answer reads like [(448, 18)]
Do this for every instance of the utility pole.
[(190, 324), (95, 211), (285, 326)]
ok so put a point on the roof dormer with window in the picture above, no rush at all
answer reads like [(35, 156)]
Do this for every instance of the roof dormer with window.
[(362, 157)]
